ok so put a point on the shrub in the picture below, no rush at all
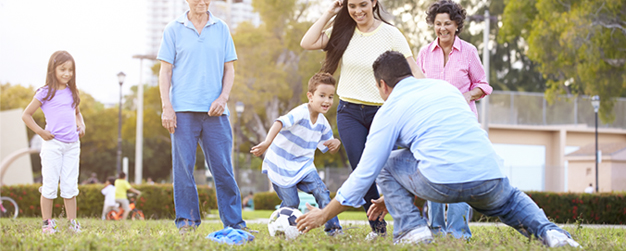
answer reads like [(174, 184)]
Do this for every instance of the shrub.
[(266, 201), (156, 201), (604, 208)]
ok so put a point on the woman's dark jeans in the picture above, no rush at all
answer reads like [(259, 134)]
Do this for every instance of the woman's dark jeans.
[(353, 123)]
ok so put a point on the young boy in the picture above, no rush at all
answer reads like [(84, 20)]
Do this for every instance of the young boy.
[(109, 197), (295, 136), (121, 188)]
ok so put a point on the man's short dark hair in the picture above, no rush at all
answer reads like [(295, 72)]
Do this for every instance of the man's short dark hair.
[(111, 180), (122, 175), (392, 67)]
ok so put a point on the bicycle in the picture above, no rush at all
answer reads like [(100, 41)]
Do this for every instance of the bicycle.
[(135, 214), (11, 210)]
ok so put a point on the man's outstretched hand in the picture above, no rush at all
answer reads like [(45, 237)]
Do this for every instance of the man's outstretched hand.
[(377, 210), (313, 219)]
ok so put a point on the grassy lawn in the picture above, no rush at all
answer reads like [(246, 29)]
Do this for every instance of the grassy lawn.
[(25, 234)]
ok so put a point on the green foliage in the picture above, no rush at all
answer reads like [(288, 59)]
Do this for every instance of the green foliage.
[(580, 45), (510, 68), (266, 201), (605, 208), (156, 201)]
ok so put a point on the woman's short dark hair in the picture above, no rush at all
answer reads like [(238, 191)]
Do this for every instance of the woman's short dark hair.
[(455, 10)]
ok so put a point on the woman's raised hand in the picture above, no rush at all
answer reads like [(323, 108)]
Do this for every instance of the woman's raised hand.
[(336, 7)]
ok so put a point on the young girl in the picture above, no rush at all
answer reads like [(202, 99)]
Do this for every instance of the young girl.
[(60, 151)]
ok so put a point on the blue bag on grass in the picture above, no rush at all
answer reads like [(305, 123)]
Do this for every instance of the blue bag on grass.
[(231, 236)]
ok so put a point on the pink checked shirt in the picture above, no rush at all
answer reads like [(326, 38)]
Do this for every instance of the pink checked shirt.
[(463, 70)]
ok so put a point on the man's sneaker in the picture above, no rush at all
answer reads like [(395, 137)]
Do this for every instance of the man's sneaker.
[(49, 227), (373, 236), (555, 238), (416, 236), (74, 226)]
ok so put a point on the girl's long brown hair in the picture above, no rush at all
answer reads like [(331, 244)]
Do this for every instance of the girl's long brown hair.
[(59, 58), (343, 29)]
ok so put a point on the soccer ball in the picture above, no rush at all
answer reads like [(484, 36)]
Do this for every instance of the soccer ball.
[(283, 223)]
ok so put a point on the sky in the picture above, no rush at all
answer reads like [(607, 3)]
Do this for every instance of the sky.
[(102, 36)]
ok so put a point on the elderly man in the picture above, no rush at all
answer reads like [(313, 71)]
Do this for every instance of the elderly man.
[(196, 76), (446, 158)]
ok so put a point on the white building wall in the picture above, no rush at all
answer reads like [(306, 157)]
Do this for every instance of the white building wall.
[(13, 138)]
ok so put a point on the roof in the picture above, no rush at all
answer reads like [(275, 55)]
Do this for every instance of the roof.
[(606, 148)]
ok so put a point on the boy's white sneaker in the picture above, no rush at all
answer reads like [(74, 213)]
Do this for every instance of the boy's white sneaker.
[(555, 238), (416, 236)]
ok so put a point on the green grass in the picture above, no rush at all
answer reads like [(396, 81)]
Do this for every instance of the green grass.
[(25, 234)]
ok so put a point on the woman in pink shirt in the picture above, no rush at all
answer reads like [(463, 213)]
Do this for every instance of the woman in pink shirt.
[(457, 62)]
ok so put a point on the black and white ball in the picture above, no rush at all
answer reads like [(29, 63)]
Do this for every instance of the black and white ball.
[(283, 223)]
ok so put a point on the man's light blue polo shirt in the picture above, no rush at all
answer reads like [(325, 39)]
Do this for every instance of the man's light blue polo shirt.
[(198, 60), (432, 119)]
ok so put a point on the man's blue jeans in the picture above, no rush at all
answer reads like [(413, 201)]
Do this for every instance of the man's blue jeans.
[(353, 123), (401, 177), (215, 137), (457, 222), (311, 184)]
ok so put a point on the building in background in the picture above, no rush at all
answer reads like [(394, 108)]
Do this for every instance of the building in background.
[(612, 168), (241, 11)]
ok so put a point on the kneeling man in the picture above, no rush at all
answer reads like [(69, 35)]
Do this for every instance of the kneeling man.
[(446, 158)]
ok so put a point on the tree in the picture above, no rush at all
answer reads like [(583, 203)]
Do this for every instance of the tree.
[(579, 45), (510, 68), (157, 150)]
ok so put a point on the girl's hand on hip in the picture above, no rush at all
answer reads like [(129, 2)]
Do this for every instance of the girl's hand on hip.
[(46, 135)]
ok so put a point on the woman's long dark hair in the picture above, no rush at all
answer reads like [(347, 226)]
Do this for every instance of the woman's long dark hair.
[(343, 29), (59, 58)]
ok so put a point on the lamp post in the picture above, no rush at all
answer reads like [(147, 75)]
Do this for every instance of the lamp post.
[(139, 128), (120, 77), (595, 102), (239, 107)]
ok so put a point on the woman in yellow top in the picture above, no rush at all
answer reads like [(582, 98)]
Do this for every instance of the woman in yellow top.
[(358, 36)]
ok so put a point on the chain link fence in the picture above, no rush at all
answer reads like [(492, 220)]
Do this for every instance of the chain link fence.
[(525, 108)]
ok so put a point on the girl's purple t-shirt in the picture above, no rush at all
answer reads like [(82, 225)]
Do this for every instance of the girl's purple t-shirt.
[(60, 114)]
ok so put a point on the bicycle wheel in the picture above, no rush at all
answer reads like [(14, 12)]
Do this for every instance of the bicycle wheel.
[(136, 215), (9, 208)]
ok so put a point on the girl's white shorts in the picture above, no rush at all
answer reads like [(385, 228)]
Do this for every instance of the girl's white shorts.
[(59, 165)]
